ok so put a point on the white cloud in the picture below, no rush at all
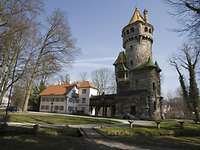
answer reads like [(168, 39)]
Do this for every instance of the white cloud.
[(103, 59), (91, 65)]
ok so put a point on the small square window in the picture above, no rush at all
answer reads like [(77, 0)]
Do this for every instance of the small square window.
[(83, 100), (61, 107), (56, 107), (47, 107), (83, 109), (84, 91)]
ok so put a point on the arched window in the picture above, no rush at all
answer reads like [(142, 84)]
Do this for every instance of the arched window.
[(150, 31), (145, 29)]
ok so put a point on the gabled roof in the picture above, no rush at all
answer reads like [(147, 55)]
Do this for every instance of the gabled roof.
[(121, 59), (57, 90), (136, 17)]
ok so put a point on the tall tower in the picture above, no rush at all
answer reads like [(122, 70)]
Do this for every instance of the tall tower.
[(137, 39), (134, 68)]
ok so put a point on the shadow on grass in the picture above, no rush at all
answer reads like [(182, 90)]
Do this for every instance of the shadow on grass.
[(21, 138), (161, 142)]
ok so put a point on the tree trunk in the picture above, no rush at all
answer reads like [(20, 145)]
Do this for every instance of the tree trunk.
[(194, 92), (27, 96)]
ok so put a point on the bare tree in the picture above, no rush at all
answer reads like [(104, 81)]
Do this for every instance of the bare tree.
[(64, 79), (112, 88), (188, 14), (102, 79), (55, 46), (83, 76), (188, 60), (16, 28)]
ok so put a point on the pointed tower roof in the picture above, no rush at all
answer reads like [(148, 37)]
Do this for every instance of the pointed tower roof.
[(136, 17), (121, 59)]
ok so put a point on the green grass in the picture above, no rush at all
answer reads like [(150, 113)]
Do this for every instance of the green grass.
[(162, 142), (134, 131), (169, 135), (55, 119), (168, 127)]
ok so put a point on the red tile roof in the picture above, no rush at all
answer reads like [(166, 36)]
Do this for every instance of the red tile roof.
[(65, 88), (57, 90)]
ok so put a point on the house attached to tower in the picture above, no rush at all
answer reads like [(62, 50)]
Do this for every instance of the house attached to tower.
[(137, 76)]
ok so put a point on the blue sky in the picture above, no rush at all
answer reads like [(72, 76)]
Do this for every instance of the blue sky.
[(96, 25)]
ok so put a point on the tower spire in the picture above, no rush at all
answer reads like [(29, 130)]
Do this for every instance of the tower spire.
[(136, 17)]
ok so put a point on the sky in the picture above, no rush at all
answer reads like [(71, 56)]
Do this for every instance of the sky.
[(96, 26)]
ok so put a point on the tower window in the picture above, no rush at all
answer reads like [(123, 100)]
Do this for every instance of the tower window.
[(154, 105), (136, 83), (132, 29), (127, 31), (131, 62), (150, 31), (154, 86), (145, 29)]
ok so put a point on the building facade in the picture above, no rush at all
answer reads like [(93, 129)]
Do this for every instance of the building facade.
[(67, 98), (137, 76)]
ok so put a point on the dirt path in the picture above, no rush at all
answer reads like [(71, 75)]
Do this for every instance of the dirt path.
[(92, 135)]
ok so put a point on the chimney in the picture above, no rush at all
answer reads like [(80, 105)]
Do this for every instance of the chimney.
[(145, 12)]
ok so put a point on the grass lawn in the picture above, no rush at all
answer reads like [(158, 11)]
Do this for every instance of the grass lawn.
[(54, 119), (170, 135)]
